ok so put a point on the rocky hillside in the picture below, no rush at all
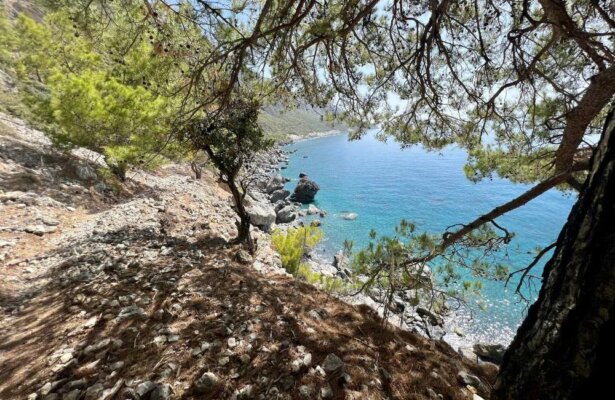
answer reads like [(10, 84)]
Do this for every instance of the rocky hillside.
[(302, 122), (131, 291)]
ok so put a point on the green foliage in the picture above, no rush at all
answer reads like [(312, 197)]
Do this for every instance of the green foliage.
[(294, 244), (412, 262), (104, 88), (230, 136), (98, 112), (7, 38)]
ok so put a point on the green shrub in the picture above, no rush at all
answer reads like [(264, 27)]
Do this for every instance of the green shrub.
[(294, 244)]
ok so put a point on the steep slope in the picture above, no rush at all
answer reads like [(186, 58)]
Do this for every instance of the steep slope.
[(135, 293)]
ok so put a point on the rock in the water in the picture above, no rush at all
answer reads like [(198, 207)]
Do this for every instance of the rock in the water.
[(207, 383), (315, 223), (305, 191), (278, 195), (286, 215), (458, 331), (312, 209), (332, 363), (350, 216), (490, 352)]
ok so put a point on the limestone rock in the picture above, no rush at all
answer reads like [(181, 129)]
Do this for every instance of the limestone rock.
[(207, 383), (332, 363), (350, 216), (286, 215), (275, 183), (278, 195), (312, 210), (468, 379), (432, 318), (261, 215), (490, 352)]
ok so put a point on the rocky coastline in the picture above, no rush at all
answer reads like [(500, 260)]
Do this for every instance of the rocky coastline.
[(283, 210)]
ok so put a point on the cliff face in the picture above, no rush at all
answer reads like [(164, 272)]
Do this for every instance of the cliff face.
[(131, 290)]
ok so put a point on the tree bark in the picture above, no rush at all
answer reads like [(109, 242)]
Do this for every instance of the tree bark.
[(197, 169), (564, 348), (243, 226)]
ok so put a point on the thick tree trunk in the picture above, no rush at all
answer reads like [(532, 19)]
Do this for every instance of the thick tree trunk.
[(564, 348)]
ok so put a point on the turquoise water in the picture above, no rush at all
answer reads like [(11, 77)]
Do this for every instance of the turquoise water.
[(384, 184)]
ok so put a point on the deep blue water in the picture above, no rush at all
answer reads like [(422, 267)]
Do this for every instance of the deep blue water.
[(383, 184)]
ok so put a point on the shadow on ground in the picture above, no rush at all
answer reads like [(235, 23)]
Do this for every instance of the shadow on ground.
[(194, 311)]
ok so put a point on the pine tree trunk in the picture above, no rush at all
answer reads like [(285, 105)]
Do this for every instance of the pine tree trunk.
[(564, 348)]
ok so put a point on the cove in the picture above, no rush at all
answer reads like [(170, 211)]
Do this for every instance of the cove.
[(383, 184)]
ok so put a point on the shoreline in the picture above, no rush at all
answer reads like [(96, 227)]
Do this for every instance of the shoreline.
[(447, 330)]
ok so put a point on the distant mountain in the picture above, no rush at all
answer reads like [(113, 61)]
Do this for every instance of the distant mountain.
[(281, 124)]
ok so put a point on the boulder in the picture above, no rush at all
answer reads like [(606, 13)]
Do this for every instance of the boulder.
[(280, 204), (340, 260), (312, 210), (261, 215), (315, 223), (468, 353), (432, 318), (278, 195), (275, 183), (305, 191), (350, 216), (286, 215), (468, 379), (490, 352)]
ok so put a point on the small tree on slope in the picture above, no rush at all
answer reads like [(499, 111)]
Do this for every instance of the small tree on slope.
[(230, 137)]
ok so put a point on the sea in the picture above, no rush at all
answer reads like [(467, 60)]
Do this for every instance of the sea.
[(384, 183)]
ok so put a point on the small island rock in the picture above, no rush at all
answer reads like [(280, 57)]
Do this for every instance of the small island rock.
[(305, 191)]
